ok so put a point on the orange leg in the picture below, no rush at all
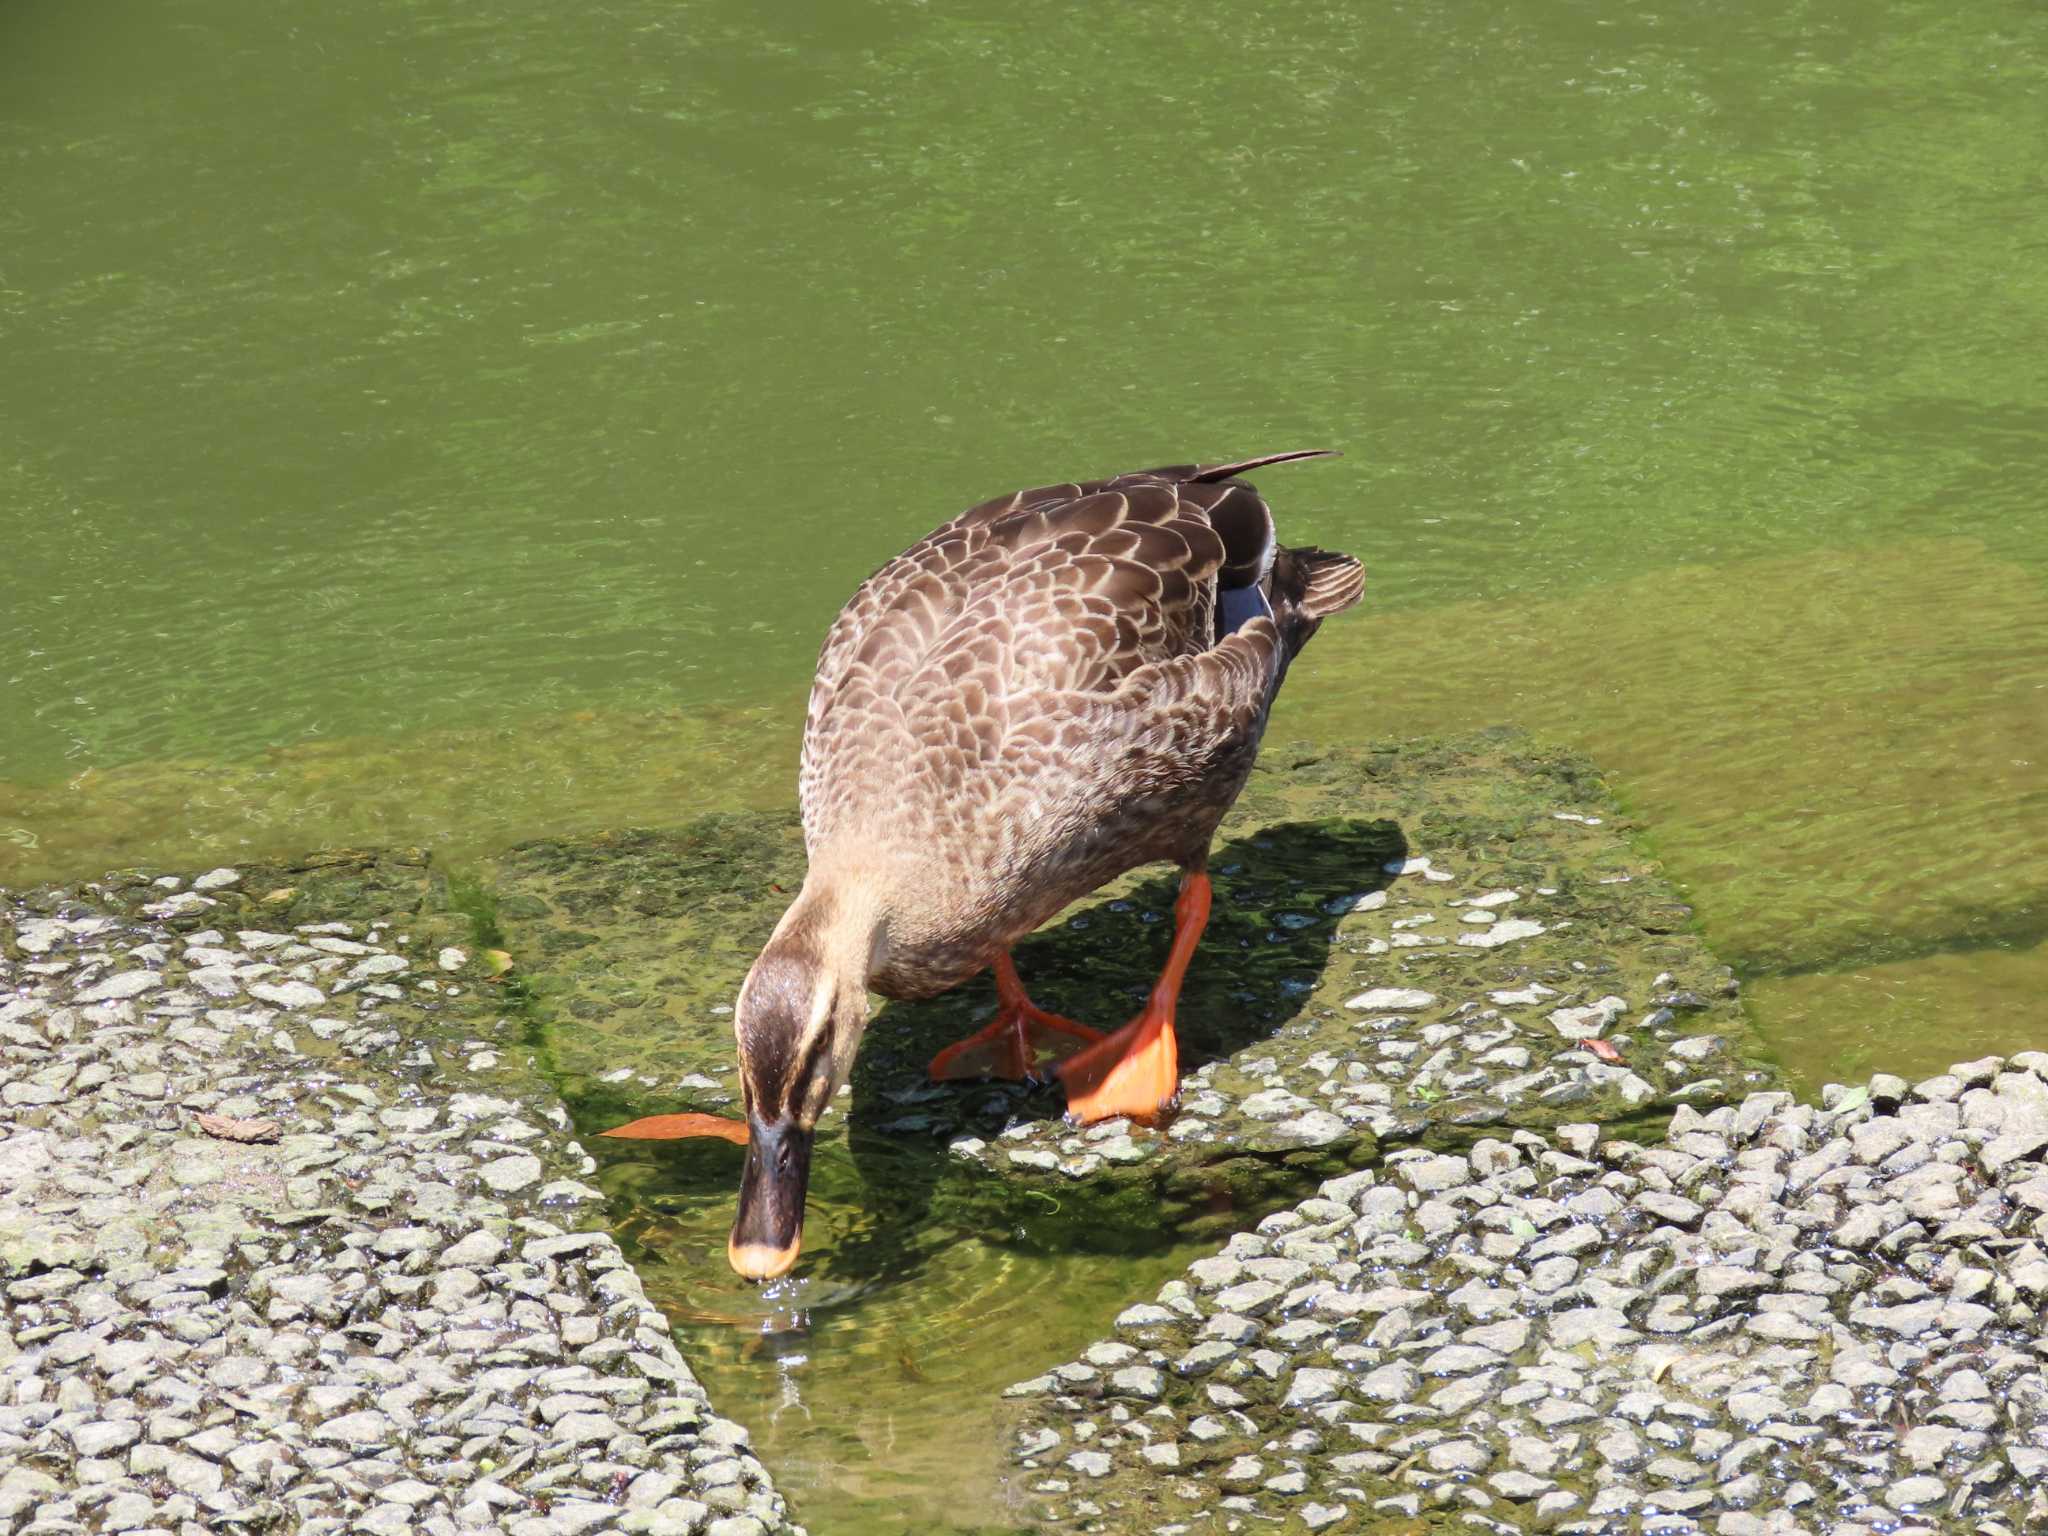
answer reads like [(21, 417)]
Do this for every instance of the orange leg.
[(1136, 1071), (1008, 1047)]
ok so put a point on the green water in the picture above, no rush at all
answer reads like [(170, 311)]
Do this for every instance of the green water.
[(452, 424), (867, 1379)]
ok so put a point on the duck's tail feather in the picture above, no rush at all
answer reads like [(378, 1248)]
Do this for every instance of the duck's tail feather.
[(1225, 471), (1330, 582)]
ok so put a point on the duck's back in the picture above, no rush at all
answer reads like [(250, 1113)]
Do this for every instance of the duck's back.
[(1035, 696)]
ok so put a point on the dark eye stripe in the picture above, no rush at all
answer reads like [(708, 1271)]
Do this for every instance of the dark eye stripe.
[(765, 1062)]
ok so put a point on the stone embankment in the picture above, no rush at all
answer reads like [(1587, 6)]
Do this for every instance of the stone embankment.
[(1778, 1318), (291, 1241)]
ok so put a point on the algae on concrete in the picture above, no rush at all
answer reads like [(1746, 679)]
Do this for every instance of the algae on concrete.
[(1436, 874)]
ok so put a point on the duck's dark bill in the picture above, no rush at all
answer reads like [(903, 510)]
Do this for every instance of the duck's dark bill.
[(768, 1229)]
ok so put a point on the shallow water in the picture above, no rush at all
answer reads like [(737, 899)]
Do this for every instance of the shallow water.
[(443, 425), (866, 1377)]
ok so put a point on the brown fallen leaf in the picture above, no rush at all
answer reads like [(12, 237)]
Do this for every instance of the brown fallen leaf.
[(1601, 1048), (228, 1128), (680, 1128)]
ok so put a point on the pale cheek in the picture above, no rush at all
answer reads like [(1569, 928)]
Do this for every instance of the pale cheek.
[(842, 1070), (823, 996)]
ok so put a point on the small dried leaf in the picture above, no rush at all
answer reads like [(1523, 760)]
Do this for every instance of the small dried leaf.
[(1601, 1048), (282, 893), (496, 963), (1851, 1101), (680, 1128), (228, 1128)]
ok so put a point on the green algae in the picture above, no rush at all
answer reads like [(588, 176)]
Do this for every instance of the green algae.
[(637, 941), (455, 1007)]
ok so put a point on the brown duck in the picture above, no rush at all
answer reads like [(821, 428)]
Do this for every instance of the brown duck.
[(1051, 689)]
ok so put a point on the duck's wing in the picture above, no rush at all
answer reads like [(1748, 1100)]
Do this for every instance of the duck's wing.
[(1016, 636)]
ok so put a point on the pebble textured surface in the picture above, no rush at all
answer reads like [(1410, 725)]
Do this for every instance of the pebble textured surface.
[(384, 1319), (1780, 1318)]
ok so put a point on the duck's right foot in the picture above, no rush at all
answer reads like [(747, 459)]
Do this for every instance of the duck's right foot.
[(1015, 1044)]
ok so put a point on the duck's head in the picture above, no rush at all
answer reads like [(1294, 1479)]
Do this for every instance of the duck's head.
[(800, 1018)]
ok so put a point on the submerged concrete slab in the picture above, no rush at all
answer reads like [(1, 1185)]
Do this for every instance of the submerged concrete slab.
[(1408, 944), (1408, 941)]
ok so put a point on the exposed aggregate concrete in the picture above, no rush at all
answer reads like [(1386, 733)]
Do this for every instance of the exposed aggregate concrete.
[(382, 1320), (1776, 1319), (1780, 1319)]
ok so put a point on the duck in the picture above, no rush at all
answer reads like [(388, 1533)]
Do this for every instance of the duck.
[(1052, 688)]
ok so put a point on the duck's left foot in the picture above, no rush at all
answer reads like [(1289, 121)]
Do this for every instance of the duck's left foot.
[(1136, 1071), (1010, 1046)]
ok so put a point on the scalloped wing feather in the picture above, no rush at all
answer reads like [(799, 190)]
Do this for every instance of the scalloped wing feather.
[(1040, 662)]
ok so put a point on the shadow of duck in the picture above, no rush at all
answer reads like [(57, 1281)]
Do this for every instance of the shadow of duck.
[(1281, 891)]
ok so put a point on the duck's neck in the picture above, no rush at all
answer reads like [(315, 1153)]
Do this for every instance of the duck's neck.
[(837, 926)]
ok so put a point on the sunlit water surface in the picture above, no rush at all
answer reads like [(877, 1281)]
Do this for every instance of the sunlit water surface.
[(450, 424)]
